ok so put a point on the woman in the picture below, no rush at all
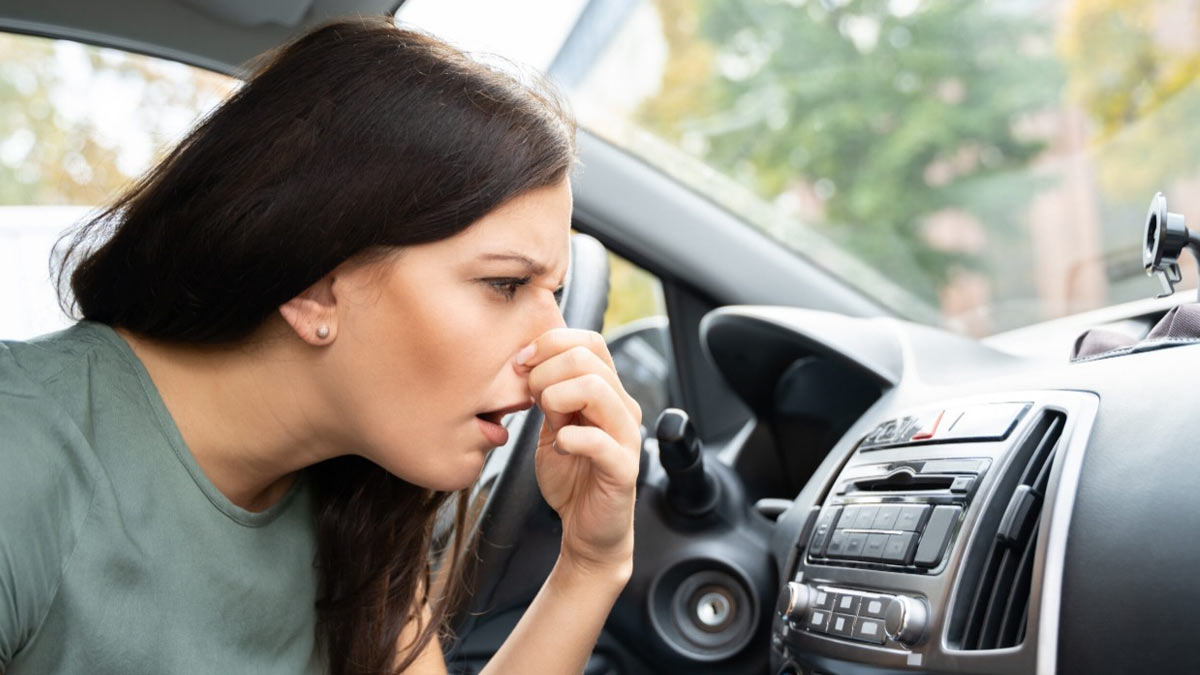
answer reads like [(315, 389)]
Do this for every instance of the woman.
[(300, 333)]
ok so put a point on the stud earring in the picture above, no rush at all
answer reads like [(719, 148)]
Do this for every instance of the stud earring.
[(322, 331)]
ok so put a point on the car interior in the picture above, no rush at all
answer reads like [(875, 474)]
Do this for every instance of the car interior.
[(836, 479)]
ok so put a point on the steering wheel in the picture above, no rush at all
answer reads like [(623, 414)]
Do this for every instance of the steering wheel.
[(513, 495)]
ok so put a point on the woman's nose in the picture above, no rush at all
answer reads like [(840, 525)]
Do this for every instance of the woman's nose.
[(549, 316), (556, 319)]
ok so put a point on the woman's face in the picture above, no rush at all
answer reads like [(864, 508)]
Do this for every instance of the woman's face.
[(426, 339)]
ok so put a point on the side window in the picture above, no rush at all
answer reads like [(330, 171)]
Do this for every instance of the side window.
[(77, 125), (635, 327)]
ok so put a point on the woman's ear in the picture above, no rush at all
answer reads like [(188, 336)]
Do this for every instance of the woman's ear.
[(313, 313)]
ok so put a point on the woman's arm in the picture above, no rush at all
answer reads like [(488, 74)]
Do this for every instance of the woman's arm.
[(558, 631), (555, 635)]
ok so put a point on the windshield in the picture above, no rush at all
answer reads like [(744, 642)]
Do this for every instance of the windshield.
[(979, 165)]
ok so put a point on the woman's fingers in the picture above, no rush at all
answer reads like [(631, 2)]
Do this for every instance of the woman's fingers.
[(558, 340), (608, 455), (596, 401), (576, 362)]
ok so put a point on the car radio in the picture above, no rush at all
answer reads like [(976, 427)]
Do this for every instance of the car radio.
[(899, 515), (929, 528), (895, 515)]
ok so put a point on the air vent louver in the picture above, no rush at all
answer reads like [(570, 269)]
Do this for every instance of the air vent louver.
[(1002, 564)]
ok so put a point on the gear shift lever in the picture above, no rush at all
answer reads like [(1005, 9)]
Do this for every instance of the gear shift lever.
[(691, 490)]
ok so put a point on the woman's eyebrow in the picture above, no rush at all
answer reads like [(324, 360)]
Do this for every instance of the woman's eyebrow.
[(534, 267)]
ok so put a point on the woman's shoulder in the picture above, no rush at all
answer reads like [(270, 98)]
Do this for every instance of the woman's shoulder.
[(46, 385), (42, 359), (44, 448), (64, 374)]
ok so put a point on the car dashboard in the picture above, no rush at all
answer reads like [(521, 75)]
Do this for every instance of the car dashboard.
[(978, 512)]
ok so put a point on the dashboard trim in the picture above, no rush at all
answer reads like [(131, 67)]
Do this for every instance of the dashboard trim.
[(1070, 467)]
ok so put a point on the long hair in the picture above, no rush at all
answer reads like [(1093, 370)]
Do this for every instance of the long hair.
[(356, 138)]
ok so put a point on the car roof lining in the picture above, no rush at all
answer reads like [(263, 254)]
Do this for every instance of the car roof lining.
[(222, 35)]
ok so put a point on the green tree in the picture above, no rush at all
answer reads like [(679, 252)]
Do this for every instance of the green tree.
[(1139, 91), (886, 114), (55, 146)]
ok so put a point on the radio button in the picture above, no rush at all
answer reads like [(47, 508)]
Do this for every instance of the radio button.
[(873, 550), (837, 545), (937, 533), (856, 542), (823, 529), (910, 517), (885, 518), (820, 537), (898, 548), (865, 517), (849, 515)]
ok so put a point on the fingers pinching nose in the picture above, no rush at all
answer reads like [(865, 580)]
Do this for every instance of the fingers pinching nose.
[(525, 354)]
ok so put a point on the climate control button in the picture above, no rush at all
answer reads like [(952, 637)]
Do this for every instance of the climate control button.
[(875, 608), (869, 630), (862, 616)]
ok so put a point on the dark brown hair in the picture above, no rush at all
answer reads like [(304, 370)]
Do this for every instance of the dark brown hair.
[(355, 138)]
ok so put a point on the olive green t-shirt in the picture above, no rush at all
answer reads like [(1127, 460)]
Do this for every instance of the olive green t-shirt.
[(117, 555)]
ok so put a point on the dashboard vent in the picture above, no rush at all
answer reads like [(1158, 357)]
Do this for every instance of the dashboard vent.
[(994, 616)]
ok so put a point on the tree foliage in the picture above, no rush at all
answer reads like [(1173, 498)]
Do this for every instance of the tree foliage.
[(1138, 88), (880, 113), (78, 123)]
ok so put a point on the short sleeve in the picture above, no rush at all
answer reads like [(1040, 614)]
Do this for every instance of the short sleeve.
[(44, 499)]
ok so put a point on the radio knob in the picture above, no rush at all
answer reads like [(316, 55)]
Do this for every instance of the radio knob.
[(906, 620), (794, 601)]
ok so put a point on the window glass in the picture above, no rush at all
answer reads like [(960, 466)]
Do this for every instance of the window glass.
[(635, 326), (633, 294), (77, 124), (981, 164)]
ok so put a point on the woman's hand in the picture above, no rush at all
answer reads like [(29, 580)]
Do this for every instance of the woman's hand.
[(588, 452), (587, 466)]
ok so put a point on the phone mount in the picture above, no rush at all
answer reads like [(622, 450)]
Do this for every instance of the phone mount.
[(1165, 236)]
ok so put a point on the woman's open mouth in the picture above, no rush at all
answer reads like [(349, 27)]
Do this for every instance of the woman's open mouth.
[(492, 431), (491, 422)]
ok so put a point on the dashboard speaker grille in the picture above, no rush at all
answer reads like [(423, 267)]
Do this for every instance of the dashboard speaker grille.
[(998, 608)]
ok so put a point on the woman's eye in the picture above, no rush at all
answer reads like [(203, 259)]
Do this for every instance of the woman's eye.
[(507, 287)]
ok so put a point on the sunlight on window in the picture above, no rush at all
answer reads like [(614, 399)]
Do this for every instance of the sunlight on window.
[(78, 124), (633, 294)]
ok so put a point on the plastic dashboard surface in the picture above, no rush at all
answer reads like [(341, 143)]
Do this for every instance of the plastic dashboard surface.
[(1110, 566)]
